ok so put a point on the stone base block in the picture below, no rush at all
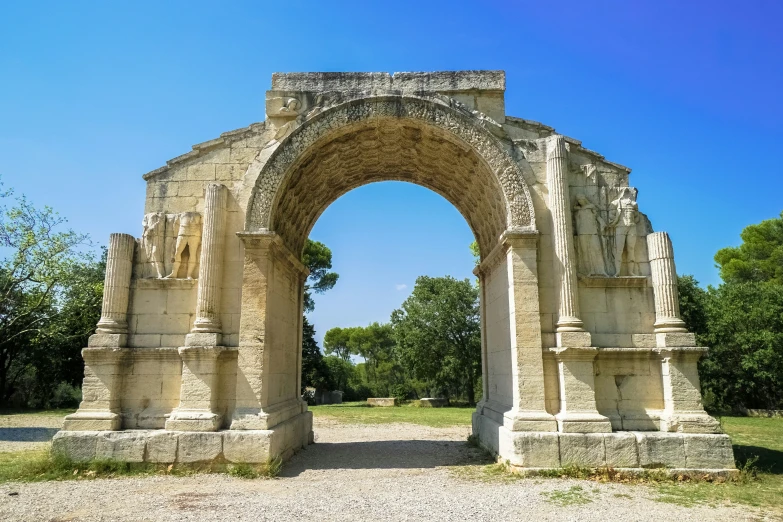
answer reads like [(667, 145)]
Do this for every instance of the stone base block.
[(382, 401), (164, 446), (433, 403), (626, 450), (92, 421), (193, 421)]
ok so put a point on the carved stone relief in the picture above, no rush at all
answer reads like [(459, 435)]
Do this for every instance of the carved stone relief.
[(608, 225), (170, 241), (623, 220), (589, 231)]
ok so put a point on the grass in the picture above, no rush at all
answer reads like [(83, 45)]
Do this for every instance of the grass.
[(60, 412), (361, 413), (41, 465)]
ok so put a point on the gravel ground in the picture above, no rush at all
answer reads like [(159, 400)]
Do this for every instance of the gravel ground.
[(353, 472)]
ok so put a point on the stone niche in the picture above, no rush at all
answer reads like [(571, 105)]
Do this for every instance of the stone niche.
[(585, 360)]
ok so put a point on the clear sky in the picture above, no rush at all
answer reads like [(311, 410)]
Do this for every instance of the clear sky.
[(687, 94)]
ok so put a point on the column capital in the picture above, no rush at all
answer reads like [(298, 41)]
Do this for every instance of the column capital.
[(266, 239)]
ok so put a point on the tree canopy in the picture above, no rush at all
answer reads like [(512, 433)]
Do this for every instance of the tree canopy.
[(438, 334), (50, 293), (759, 258)]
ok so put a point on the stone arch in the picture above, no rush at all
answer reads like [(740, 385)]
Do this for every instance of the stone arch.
[(403, 138)]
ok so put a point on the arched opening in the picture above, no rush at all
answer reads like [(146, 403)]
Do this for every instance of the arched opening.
[(366, 141)]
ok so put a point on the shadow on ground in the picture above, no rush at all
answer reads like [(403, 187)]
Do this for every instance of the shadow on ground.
[(27, 434), (387, 454), (769, 460)]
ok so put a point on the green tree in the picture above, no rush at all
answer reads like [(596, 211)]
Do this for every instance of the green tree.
[(340, 370), (693, 306), (318, 258), (337, 341), (43, 261), (315, 373), (438, 334), (758, 258), (744, 368)]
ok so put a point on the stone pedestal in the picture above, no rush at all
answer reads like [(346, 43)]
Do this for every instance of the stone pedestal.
[(200, 378), (103, 371), (576, 376), (683, 409)]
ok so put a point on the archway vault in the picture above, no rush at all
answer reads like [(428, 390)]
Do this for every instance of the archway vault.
[(401, 138)]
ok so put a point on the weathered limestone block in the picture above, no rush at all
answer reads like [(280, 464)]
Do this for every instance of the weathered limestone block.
[(530, 449), (198, 401), (661, 450), (382, 401), (576, 375), (582, 449), (79, 446), (247, 446), (199, 447), (123, 446), (161, 446), (708, 452), (100, 406), (683, 409), (621, 450)]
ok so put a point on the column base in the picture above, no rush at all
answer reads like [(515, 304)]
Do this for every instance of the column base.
[(92, 421), (196, 338), (193, 421), (525, 420), (257, 418), (696, 422), (585, 422)]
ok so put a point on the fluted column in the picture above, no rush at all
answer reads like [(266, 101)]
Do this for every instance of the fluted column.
[(562, 235), (664, 278), (116, 286), (210, 273)]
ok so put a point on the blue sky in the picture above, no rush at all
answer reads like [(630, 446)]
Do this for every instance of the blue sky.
[(687, 94)]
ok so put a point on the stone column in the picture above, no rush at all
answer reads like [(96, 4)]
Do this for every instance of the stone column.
[(197, 410), (207, 329), (683, 410), (563, 238), (106, 350), (116, 285), (664, 278), (576, 378)]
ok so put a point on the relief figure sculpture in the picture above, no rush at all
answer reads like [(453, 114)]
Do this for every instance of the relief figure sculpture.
[(188, 235), (588, 228), (152, 239), (623, 218)]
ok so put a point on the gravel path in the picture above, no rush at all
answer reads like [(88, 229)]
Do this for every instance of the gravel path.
[(353, 472), (26, 431)]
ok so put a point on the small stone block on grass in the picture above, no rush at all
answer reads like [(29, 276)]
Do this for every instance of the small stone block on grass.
[(382, 401), (433, 403)]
